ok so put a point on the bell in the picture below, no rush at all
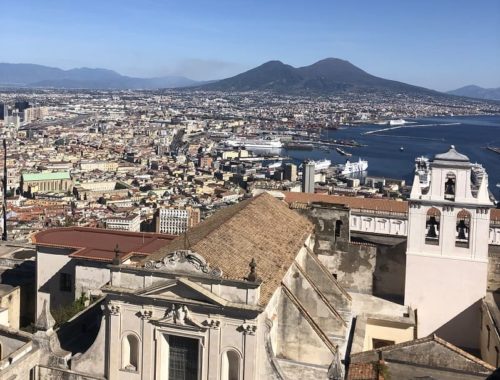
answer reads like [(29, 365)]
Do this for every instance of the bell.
[(431, 227), (450, 186), (461, 228)]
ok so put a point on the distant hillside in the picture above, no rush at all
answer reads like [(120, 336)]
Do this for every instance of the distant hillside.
[(477, 92), (330, 75), (29, 75)]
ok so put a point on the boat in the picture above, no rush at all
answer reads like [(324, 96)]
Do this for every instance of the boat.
[(263, 143), (299, 146), (274, 165), (343, 152), (320, 165), (397, 122), (354, 167), (401, 149)]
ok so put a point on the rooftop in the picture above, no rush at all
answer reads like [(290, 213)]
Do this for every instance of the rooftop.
[(386, 205), (45, 176), (261, 228), (99, 244), (451, 155)]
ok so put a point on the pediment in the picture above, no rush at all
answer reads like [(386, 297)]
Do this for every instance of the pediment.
[(182, 289)]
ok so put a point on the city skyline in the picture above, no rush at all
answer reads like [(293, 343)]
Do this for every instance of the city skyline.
[(440, 46)]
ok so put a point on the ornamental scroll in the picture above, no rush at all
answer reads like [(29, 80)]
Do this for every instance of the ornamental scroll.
[(183, 261)]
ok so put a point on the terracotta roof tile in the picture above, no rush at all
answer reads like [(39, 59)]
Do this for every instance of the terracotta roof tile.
[(263, 228)]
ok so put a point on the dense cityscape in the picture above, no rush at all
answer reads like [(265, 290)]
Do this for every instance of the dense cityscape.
[(250, 190)]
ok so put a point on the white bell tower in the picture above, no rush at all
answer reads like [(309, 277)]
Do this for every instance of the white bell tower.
[(447, 251)]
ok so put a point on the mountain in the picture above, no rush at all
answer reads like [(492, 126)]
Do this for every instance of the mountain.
[(477, 92), (29, 75), (329, 75)]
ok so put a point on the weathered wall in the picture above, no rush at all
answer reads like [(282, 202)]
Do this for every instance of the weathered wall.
[(493, 268), (297, 340), (390, 267), (45, 373), (353, 265), (489, 337)]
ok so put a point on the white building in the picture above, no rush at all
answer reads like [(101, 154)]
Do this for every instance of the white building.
[(176, 221), (130, 223), (447, 251)]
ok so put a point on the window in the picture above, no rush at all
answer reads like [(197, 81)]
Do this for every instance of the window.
[(65, 282), (230, 366), (379, 343), (432, 224), (130, 353), (338, 228), (488, 337), (183, 358)]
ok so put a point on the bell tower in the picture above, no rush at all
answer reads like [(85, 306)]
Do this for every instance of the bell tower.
[(447, 250)]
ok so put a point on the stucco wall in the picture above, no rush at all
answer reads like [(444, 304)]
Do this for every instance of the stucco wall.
[(456, 287)]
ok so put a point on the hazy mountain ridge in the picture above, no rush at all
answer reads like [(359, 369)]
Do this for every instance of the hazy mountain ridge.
[(30, 75), (473, 91), (331, 75)]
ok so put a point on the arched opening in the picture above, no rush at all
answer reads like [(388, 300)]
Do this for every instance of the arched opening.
[(230, 366), (463, 229), (130, 353), (432, 224), (338, 228), (449, 187)]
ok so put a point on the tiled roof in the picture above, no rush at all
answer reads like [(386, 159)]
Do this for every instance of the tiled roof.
[(363, 371), (263, 228), (387, 205), (495, 214), (99, 244)]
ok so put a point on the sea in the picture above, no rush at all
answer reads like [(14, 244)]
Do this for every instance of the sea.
[(419, 137)]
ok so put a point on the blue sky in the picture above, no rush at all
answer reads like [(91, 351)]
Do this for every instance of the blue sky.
[(440, 44)]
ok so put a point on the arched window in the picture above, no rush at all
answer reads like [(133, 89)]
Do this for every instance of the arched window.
[(230, 366), (432, 224), (130, 352), (463, 229), (449, 187), (338, 228)]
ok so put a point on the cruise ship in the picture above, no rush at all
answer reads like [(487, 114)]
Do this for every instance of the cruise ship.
[(354, 167), (263, 143), (320, 165), (397, 122)]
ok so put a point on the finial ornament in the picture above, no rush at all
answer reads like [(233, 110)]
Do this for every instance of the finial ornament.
[(252, 276), (116, 259)]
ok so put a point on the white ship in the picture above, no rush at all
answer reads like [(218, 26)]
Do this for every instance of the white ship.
[(274, 165), (397, 122), (354, 167), (423, 171), (320, 165), (264, 143)]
